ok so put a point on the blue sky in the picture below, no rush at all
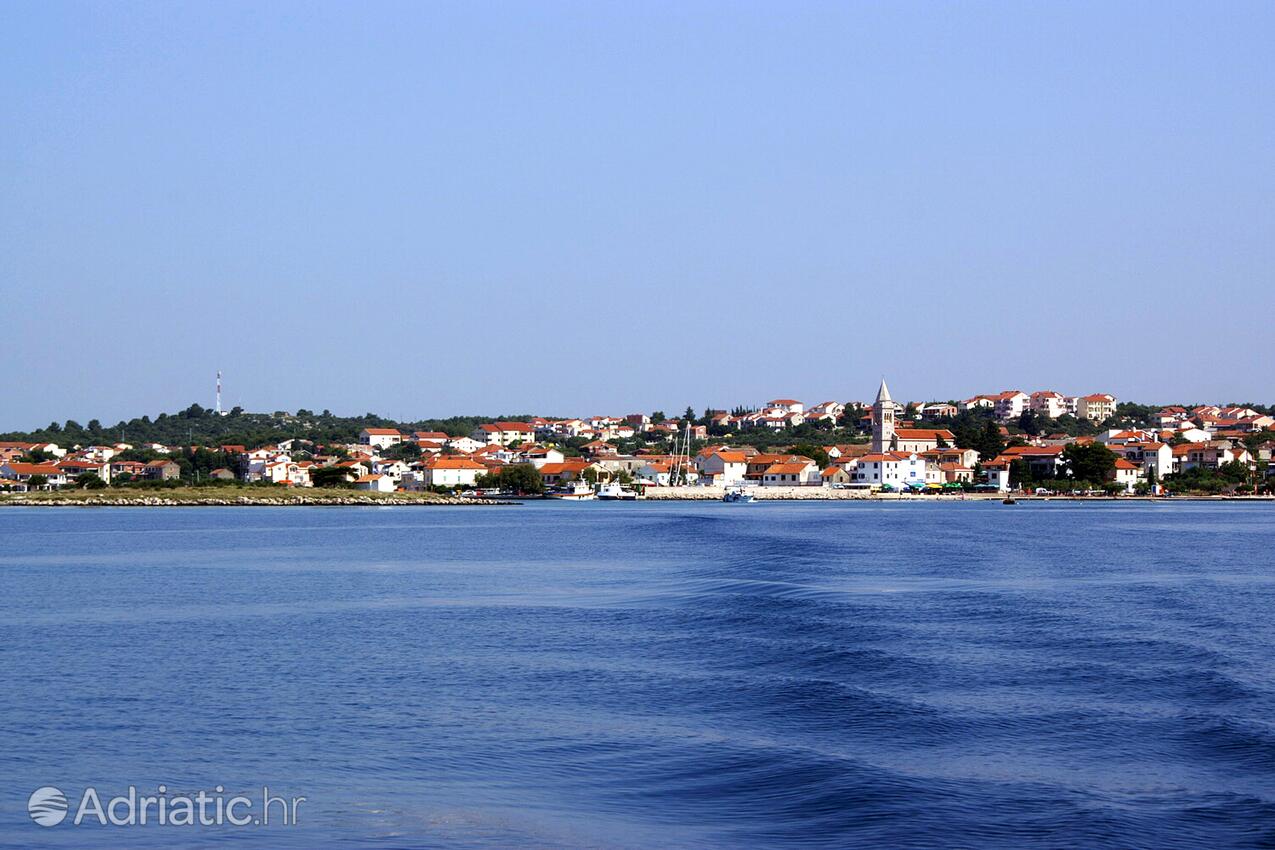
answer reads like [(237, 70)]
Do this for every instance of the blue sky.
[(575, 208)]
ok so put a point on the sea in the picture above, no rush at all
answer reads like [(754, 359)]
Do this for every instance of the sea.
[(640, 675)]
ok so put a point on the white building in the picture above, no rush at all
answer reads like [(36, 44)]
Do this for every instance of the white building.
[(789, 405), (998, 474), (896, 469), (538, 456), (1128, 474), (1096, 407), (464, 444), (1048, 403), (453, 472), (381, 438), (725, 468), (375, 483), (794, 474), (504, 433), (1010, 404)]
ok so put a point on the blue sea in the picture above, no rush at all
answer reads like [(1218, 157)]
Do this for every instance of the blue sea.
[(650, 675)]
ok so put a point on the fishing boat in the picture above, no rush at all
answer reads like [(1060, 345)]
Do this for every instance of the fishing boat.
[(579, 491), (615, 491), (737, 495)]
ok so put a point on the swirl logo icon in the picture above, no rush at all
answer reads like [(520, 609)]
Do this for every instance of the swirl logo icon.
[(47, 806)]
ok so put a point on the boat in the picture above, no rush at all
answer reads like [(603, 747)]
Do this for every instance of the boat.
[(1009, 500), (580, 491), (736, 495), (615, 491)]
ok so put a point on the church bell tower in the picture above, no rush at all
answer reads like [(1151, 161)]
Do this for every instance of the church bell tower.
[(883, 420)]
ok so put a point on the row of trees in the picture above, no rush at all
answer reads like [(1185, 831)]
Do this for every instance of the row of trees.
[(196, 425)]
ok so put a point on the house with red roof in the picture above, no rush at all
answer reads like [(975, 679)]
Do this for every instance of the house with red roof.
[(375, 483), (1048, 403), (798, 473), (504, 433), (921, 439), (21, 473), (453, 471), (722, 467), (895, 469), (1096, 407), (381, 438)]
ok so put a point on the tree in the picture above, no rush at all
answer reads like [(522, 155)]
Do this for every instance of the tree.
[(989, 442), (815, 453), (657, 417), (37, 481), (90, 481), (689, 415), (1029, 422), (520, 478), (1094, 463), (402, 451), (330, 476)]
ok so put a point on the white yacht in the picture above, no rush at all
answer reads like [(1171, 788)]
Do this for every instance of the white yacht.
[(577, 491), (615, 491)]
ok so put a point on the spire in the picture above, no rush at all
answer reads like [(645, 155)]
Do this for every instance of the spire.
[(883, 394)]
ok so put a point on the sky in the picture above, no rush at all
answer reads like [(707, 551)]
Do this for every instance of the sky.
[(434, 209)]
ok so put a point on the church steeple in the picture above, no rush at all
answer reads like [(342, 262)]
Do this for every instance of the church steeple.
[(883, 420)]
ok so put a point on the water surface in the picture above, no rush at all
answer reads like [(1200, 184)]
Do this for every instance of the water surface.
[(651, 675)]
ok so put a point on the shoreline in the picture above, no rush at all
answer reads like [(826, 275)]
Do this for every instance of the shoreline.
[(309, 497), (821, 494), (345, 498)]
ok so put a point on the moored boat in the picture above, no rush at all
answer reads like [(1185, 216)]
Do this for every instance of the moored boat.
[(615, 491), (580, 491)]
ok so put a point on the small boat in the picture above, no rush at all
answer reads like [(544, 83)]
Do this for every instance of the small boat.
[(737, 496), (580, 491), (1008, 500), (615, 491)]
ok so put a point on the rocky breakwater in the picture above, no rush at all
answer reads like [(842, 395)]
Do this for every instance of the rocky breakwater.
[(763, 493), (114, 501)]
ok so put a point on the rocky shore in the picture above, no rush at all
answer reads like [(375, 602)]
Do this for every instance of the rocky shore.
[(820, 494), (82, 498), (824, 494)]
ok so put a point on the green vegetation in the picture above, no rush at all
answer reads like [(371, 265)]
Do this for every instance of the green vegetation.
[(522, 478), (330, 476), (1094, 462), (815, 453), (197, 425), (1230, 477), (226, 493)]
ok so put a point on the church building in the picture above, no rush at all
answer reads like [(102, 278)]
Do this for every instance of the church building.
[(887, 437)]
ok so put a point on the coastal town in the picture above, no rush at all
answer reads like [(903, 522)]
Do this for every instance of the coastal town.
[(1042, 442)]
